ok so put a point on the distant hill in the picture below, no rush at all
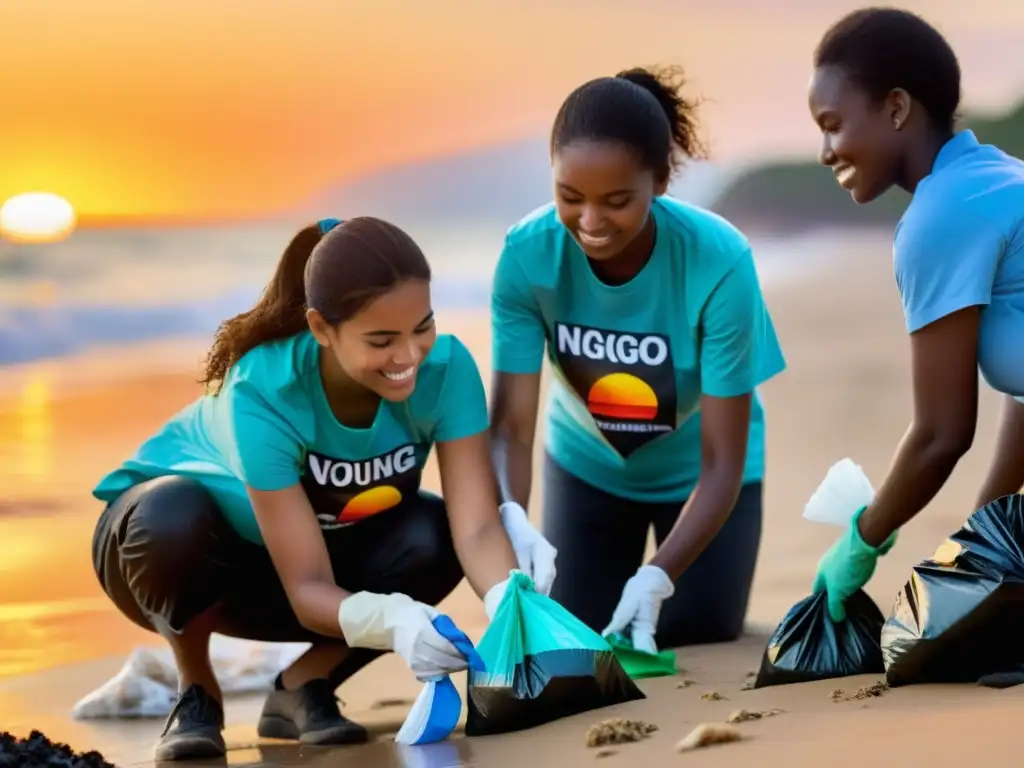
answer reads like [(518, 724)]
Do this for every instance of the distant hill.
[(789, 197), (496, 185)]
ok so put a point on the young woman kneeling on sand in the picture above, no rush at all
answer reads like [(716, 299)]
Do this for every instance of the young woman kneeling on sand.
[(285, 505), (652, 317), (885, 92)]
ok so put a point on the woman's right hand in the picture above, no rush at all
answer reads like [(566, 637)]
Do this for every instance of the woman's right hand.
[(398, 623)]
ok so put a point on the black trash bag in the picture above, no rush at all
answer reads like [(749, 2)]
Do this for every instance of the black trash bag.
[(542, 664), (807, 645), (960, 616)]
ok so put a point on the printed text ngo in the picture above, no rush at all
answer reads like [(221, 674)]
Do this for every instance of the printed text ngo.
[(612, 346)]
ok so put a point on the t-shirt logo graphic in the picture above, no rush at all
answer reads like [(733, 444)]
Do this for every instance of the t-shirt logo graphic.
[(626, 380), (344, 492)]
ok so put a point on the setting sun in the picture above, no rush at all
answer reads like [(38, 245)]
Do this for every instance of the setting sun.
[(36, 217)]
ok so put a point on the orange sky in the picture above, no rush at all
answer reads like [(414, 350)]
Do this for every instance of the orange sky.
[(238, 107)]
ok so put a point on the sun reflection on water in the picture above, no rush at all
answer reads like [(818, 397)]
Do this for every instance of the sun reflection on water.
[(35, 417)]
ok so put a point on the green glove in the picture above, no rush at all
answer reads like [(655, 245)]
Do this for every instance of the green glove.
[(848, 566)]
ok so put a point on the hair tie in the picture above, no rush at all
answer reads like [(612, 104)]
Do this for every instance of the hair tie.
[(326, 225)]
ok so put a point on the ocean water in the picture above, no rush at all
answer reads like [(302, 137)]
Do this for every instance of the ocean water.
[(110, 287)]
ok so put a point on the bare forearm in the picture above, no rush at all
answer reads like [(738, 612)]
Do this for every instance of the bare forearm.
[(701, 519), (486, 556), (513, 466), (1004, 477), (316, 606), (922, 464)]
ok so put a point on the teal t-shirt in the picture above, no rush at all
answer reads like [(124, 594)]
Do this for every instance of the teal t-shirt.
[(631, 361), (271, 427)]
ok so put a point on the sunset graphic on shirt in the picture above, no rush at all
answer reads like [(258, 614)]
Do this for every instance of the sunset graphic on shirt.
[(370, 503), (622, 396)]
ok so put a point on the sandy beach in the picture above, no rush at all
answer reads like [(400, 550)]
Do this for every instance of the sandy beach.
[(846, 393)]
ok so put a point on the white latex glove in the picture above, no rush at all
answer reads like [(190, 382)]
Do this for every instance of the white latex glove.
[(640, 605), (534, 553), (396, 622)]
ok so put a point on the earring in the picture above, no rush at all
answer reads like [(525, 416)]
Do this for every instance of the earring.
[(896, 124)]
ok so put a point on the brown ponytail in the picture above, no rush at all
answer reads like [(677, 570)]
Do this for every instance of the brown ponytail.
[(279, 313), (337, 274)]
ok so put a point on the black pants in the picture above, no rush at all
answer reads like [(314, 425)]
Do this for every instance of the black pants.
[(164, 553), (600, 540)]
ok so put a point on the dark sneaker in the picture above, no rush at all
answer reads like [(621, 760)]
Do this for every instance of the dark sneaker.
[(309, 714), (193, 729)]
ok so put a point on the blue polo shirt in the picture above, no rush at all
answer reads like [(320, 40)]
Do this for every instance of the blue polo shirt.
[(631, 362), (960, 243)]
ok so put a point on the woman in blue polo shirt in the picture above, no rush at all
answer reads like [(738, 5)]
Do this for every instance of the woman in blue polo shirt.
[(285, 505), (652, 317), (885, 91)]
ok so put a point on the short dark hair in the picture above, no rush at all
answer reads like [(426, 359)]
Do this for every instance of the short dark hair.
[(642, 109), (336, 269), (881, 49)]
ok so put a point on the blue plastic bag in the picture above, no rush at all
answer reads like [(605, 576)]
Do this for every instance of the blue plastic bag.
[(542, 664), (436, 711)]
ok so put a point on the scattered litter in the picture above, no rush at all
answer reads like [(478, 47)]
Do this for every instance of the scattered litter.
[(871, 691), (867, 692), (607, 753), (712, 696), (389, 703), (686, 683), (745, 715), (751, 682), (37, 751), (618, 730), (707, 734)]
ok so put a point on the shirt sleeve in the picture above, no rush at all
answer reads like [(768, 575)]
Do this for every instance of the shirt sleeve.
[(945, 263), (463, 403), (264, 452), (517, 329), (739, 346)]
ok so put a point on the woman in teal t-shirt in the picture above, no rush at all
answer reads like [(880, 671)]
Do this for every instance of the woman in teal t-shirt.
[(653, 320), (285, 505)]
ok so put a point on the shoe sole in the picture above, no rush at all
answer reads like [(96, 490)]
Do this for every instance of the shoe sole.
[(272, 727), (189, 748)]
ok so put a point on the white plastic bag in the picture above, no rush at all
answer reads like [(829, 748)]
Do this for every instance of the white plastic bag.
[(434, 714), (147, 684), (844, 490)]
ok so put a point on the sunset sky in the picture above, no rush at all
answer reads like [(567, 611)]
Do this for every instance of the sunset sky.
[(186, 108)]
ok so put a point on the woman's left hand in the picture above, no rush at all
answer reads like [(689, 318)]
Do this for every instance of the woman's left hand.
[(535, 554)]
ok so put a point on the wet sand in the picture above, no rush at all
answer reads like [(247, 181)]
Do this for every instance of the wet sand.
[(846, 393)]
